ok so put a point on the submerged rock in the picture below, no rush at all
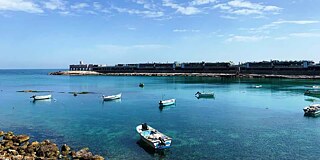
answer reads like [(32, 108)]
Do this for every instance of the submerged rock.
[(32, 91), (84, 153), (83, 92), (97, 157), (20, 138), (8, 136)]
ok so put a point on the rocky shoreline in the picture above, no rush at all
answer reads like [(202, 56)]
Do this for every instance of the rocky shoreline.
[(216, 75), (18, 147)]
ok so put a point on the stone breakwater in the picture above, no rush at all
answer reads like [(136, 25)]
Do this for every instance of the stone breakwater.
[(217, 75), (18, 147), (76, 73)]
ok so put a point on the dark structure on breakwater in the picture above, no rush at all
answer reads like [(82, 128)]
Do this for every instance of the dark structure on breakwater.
[(264, 67)]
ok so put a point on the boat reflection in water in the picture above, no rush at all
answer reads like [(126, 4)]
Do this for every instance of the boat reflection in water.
[(151, 151), (164, 108), (113, 101), (42, 101)]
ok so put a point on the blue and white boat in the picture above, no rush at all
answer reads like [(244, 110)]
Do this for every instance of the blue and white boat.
[(167, 102), (312, 110), (153, 137)]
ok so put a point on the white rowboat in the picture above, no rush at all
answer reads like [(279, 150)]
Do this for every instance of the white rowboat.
[(167, 102), (112, 97), (41, 97), (153, 137)]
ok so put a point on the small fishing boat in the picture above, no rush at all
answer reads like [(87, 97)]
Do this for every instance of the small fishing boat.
[(112, 97), (167, 102), (257, 86), (312, 110), (153, 137), (141, 85), (312, 93), (35, 97), (204, 95)]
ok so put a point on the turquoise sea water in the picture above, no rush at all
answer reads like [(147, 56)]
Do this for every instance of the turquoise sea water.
[(242, 122)]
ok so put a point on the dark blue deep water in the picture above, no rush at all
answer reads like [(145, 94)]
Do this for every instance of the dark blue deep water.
[(242, 122)]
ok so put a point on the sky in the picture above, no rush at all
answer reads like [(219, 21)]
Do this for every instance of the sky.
[(56, 33)]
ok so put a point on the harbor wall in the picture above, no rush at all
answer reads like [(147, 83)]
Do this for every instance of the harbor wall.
[(265, 67), (287, 71)]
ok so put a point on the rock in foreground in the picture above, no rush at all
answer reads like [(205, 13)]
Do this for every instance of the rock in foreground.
[(19, 148)]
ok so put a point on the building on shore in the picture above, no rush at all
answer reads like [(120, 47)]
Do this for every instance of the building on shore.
[(84, 67), (279, 64), (264, 67)]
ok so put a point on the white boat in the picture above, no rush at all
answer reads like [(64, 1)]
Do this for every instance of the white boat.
[(112, 97), (153, 137), (204, 94), (167, 102), (41, 97), (257, 86), (312, 110), (316, 87)]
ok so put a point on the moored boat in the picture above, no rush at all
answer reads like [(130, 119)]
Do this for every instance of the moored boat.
[(153, 137), (204, 95), (112, 97), (318, 87), (257, 86), (167, 102), (312, 110), (35, 97), (312, 92)]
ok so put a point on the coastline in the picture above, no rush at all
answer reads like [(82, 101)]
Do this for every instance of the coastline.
[(215, 75)]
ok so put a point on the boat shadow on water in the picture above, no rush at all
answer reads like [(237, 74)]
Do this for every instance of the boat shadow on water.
[(160, 153)]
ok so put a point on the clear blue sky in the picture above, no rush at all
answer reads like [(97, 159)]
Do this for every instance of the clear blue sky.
[(56, 33)]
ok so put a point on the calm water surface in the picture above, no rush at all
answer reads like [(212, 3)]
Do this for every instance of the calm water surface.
[(242, 122)]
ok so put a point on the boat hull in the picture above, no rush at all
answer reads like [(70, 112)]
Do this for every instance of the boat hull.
[(41, 97), (312, 114), (110, 98), (167, 102), (156, 145), (205, 95)]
